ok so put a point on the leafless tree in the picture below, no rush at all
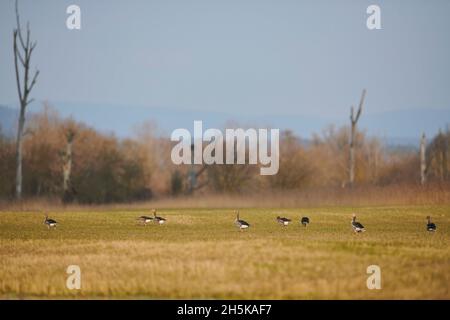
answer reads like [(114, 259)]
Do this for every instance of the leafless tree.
[(23, 49), (354, 120)]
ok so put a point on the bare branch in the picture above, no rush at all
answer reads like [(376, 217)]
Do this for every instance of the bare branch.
[(33, 82), (357, 115), (363, 96), (361, 102), (22, 61), (18, 26), (19, 90), (33, 45), (27, 48)]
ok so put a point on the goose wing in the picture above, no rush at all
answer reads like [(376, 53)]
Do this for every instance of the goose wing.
[(357, 225), (243, 223)]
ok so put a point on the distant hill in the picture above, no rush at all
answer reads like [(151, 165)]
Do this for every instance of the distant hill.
[(400, 127), (396, 128)]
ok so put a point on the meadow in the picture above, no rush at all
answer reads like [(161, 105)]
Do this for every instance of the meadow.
[(199, 253)]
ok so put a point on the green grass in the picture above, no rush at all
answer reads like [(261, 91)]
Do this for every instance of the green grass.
[(201, 254)]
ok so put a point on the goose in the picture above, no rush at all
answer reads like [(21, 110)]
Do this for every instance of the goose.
[(357, 227), (50, 222), (283, 221), (304, 221), (431, 227), (241, 224), (145, 219), (158, 220)]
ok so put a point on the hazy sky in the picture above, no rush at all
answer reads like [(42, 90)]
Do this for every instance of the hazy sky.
[(271, 57)]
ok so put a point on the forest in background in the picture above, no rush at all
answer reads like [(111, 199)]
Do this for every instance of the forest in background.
[(70, 162)]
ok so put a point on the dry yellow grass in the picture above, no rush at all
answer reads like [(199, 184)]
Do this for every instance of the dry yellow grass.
[(200, 254), (393, 195)]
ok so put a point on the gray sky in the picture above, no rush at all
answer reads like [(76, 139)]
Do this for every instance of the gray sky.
[(240, 56)]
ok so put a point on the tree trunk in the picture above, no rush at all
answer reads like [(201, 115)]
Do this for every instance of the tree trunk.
[(19, 155), (67, 168), (354, 120), (423, 163), (23, 48), (352, 154)]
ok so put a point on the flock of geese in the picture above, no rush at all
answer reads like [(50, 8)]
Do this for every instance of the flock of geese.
[(242, 225)]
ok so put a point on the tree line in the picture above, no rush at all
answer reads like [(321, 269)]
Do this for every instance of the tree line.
[(68, 160)]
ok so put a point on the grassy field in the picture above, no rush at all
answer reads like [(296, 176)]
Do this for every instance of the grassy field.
[(200, 254)]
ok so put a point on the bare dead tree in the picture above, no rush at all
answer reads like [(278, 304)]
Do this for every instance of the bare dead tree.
[(423, 163), (354, 120), (23, 49)]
